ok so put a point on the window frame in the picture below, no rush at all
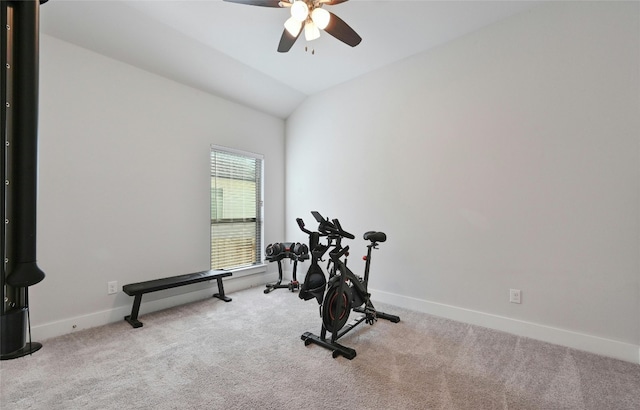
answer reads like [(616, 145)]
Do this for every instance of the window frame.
[(259, 265)]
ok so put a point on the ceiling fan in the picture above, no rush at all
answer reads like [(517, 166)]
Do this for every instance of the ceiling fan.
[(310, 16)]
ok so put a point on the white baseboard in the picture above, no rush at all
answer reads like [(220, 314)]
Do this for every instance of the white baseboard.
[(593, 344), (150, 303)]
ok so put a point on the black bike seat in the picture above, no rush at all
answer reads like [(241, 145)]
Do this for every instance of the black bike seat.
[(374, 236)]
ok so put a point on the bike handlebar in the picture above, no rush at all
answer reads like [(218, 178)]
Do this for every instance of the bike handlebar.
[(301, 225), (327, 227), (330, 229), (339, 253), (342, 232), (333, 230)]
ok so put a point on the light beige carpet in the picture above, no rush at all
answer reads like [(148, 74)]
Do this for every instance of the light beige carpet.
[(247, 354)]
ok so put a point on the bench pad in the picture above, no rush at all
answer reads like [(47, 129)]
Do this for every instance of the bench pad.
[(172, 282)]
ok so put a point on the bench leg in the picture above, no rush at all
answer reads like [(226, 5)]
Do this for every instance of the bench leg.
[(220, 294), (133, 318)]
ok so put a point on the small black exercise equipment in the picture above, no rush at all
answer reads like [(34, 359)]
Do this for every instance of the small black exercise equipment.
[(345, 291), (294, 251)]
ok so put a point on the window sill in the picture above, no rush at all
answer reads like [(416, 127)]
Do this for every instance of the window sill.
[(248, 270)]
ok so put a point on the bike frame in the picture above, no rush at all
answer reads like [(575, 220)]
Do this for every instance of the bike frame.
[(343, 275)]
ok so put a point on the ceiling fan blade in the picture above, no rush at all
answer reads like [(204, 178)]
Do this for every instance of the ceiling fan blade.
[(332, 2), (287, 40), (341, 30), (262, 3)]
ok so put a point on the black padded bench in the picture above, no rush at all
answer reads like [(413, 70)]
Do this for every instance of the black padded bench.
[(140, 288)]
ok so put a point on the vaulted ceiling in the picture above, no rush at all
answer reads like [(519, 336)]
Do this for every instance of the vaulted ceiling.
[(229, 49)]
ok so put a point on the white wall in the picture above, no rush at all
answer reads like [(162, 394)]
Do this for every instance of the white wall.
[(505, 159), (124, 184)]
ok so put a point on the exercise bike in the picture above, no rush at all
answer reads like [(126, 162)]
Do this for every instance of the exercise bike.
[(345, 291)]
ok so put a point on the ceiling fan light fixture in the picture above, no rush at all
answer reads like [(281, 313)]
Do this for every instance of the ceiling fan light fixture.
[(310, 15), (293, 26), (299, 10), (321, 17), (311, 31)]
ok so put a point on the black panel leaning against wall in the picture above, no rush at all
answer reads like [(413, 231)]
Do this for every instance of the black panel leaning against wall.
[(19, 51)]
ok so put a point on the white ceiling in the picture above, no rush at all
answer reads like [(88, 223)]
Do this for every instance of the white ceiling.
[(229, 49)]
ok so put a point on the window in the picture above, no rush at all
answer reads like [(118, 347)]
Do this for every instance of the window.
[(236, 208)]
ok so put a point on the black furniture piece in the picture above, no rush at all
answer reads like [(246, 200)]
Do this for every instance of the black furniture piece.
[(19, 68), (345, 291), (140, 288), (276, 252)]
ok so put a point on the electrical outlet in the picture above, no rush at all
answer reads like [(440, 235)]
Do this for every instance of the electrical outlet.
[(112, 287), (514, 295)]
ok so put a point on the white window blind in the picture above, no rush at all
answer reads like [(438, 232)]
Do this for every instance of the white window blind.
[(236, 208)]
